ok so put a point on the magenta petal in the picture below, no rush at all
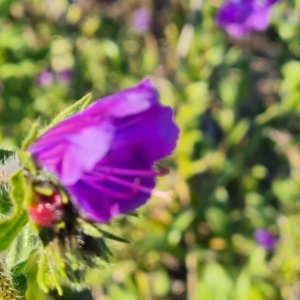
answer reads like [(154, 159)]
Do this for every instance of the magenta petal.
[(152, 133), (102, 201), (141, 20), (92, 202), (236, 31), (94, 142), (128, 102), (259, 20), (239, 18), (70, 155)]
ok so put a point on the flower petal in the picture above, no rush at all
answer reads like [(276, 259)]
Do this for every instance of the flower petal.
[(84, 151), (152, 132), (91, 201), (69, 155), (259, 20), (128, 102), (104, 199)]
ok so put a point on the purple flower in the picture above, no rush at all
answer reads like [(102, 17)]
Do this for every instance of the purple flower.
[(45, 78), (105, 156), (265, 239), (141, 20), (239, 17), (65, 76)]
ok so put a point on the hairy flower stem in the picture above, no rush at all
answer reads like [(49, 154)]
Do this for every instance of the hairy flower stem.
[(8, 167), (7, 291)]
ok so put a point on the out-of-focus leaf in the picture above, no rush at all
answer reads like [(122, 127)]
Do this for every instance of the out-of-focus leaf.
[(214, 283), (238, 132), (71, 110), (181, 223), (217, 219)]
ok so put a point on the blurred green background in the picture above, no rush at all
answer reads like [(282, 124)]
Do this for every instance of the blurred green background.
[(237, 165)]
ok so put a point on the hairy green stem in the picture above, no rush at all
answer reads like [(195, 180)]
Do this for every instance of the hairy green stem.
[(7, 290), (8, 167)]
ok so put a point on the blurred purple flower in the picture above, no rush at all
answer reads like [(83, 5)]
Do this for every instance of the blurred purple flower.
[(265, 239), (105, 156), (141, 20), (65, 76), (240, 17), (45, 78)]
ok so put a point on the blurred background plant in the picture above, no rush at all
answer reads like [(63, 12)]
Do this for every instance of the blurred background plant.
[(232, 229)]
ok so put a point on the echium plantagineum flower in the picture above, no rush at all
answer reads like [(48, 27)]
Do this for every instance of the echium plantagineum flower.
[(65, 76), (240, 17), (105, 156), (141, 20), (45, 78), (265, 239)]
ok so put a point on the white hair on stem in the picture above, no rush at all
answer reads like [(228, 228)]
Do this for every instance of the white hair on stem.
[(8, 167)]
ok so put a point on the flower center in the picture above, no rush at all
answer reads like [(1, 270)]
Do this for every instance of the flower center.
[(48, 210)]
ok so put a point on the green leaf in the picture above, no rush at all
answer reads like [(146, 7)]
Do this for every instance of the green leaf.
[(180, 224), (33, 291), (114, 237), (5, 203), (217, 220), (21, 249), (48, 276), (78, 106), (238, 132), (215, 283), (10, 227), (42, 269), (89, 229)]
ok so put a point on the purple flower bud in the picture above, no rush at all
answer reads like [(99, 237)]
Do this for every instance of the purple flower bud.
[(45, 78), (141, 20), (105, 156), (265, 239), (240, 17), (65, 76)]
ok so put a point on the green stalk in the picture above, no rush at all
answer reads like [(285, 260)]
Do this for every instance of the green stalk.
[(7, 290)]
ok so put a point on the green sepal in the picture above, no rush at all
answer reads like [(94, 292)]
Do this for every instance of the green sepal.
[(113, 237), (31, 137), (7, 289), (5, 202), (78, 106), (33, 292), (89, 229), (24, 246), (29, 198), (11, 226), (27, 161), (48, 276)]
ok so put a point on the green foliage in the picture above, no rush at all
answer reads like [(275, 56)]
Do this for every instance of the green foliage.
[(71, 110)]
